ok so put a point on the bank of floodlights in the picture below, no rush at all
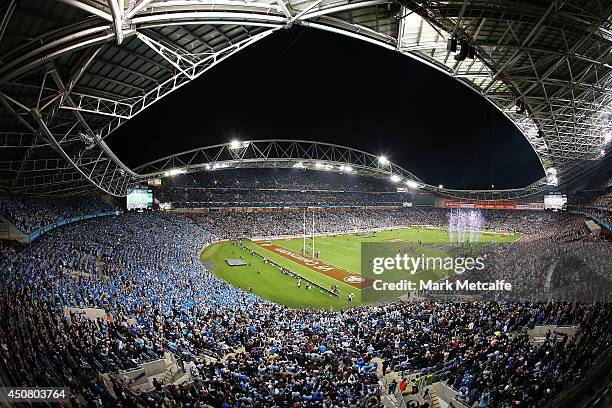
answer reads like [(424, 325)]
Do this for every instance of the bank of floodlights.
[(383, 161), (174, 172), (551, 176), (412, 184), (395, 178), (323, 166), (237, 144), (218, 166)]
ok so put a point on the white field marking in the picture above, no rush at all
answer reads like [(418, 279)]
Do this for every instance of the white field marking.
[(343, 255), (337, 253), (325, 244), (327, 241)]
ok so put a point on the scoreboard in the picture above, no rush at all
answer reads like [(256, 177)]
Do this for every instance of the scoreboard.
[(140, 199), (555, 201)]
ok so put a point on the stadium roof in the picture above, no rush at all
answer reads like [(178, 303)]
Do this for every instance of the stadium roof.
[(73, 71)]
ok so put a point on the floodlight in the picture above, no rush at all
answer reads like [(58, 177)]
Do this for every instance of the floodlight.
[(440, 186), (346, 168), (237, 144), (383, 160), (298, 165), (395, 178), (608, 137), (174, 172), (412, 184), (319, 165), (552, 181), (551, 176)]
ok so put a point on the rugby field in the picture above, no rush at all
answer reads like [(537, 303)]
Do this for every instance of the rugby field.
[(339, 264)]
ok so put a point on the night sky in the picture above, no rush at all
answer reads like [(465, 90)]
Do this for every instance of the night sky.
[(307, 84)]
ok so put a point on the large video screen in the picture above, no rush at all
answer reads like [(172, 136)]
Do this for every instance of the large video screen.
[(139, 199), (555, 201)]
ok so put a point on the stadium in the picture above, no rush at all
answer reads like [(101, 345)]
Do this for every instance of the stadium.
[(306, 203)]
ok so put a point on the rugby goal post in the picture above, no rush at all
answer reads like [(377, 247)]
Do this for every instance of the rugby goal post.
[(312, 235)]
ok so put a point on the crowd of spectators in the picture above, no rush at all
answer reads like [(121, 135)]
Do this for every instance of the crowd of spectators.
[(597, 203), (181, 197), (287, 179), (143, 270), (533, 225), (598, 198), (265, 187), (545, 270), (29, 214)]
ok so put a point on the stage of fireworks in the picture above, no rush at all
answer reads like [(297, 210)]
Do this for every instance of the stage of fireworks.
[(465, 225)]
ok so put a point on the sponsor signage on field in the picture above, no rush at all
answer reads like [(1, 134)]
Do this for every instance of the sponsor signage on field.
[(354, 279), (342, 275)]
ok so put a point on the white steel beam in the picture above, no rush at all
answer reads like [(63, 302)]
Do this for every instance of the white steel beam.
[(133, 11), (117, 14), (90, 9), (284, 8)]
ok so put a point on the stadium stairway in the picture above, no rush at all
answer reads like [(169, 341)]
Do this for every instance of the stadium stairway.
[(537, 335), (435, 401), (9, 232)]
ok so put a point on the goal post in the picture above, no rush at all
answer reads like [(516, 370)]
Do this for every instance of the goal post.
[(304, 246), (313, 234), (308, 236)]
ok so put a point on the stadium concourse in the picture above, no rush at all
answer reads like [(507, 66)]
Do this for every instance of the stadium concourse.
[(156, 301)]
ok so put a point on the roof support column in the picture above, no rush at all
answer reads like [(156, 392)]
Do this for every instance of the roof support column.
[(117, 14)]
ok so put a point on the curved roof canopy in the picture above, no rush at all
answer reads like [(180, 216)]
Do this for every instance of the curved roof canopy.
[(73, 71), (303, 154)]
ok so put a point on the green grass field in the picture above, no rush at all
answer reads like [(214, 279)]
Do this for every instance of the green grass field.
[(342, 251)]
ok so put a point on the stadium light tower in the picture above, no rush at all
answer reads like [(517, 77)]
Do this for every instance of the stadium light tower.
[(383, 160)]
